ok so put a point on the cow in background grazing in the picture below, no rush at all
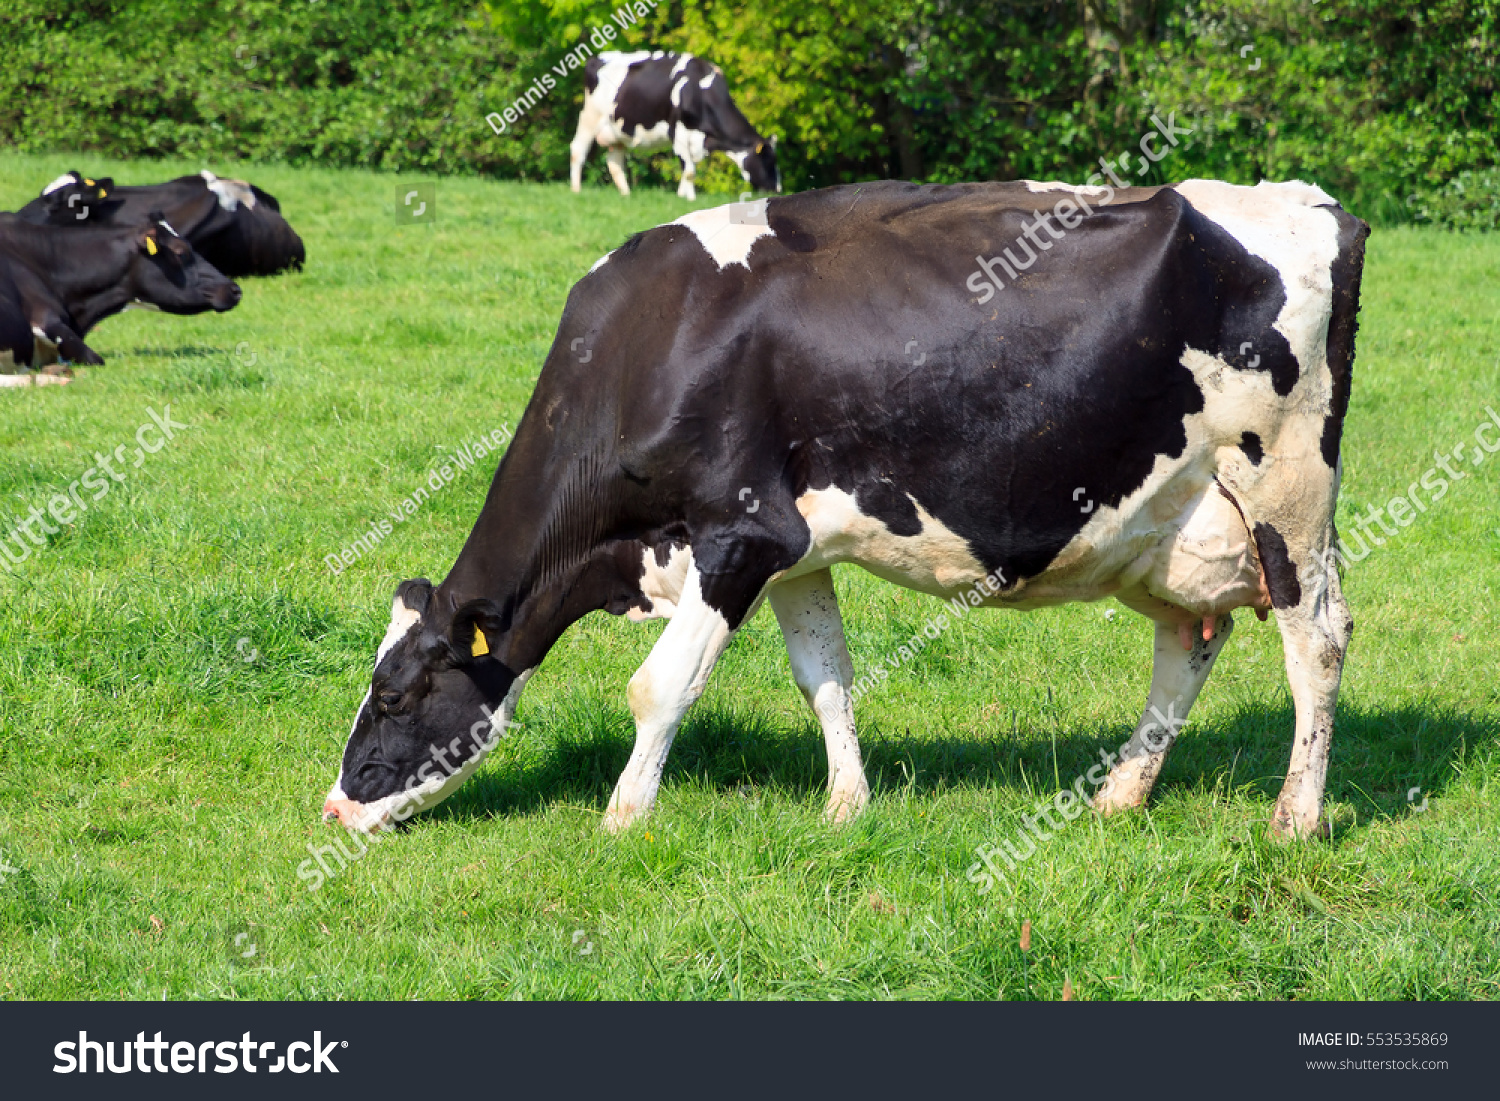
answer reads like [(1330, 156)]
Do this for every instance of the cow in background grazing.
[(234, 225), (644, 100)]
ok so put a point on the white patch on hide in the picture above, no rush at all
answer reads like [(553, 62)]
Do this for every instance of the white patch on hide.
[(662, 585), (230, 192), (727, 233)]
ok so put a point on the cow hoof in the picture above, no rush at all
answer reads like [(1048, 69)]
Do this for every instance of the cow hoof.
[(616, 821), (1126, 788), (1287, 826), (1106, 807)]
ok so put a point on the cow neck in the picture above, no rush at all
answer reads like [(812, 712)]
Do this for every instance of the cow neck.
[(735, 130), (90, 308), (535, 548)]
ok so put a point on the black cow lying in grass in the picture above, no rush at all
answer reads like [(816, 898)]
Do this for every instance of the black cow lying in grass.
[(235, 226), (63, 282)]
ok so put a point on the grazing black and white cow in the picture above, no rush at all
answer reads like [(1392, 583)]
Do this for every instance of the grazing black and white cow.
[(68, 280), (1150, 410), (648, 99), (235, 226)]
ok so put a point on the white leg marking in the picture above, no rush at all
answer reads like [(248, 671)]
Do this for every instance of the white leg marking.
[(686, 190), (617, 168), (807, 609), (583, 141), (662, 585), (1315, 636), (660, 693), (1177, 676)]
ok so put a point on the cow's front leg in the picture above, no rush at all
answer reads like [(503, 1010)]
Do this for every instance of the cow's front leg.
[(808, 610), (673, 676), (616, 159), (685, 189), (1177, 676)]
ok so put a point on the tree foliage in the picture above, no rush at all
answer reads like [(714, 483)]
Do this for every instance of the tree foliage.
[(1384, 105)]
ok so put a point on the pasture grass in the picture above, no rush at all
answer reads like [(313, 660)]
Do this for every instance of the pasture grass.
[(178, 671)]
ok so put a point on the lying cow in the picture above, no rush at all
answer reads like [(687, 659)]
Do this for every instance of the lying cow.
[(646, 100), (235, 226), (1181, 355), (17, 344), (68, 280)]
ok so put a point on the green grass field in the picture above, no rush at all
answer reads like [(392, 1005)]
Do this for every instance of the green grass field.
[(178, 671)]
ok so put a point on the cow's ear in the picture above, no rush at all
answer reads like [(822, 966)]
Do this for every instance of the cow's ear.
[(477, 628), (147, 240), (415, 594), (56, 202), (105, 186)]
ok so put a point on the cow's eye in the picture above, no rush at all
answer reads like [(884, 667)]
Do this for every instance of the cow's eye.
[(389, 700)]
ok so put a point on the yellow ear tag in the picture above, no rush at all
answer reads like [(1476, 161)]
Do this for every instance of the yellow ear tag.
[(758, 147), (481, 644), (103, 193), (150, 246), (88, 182)]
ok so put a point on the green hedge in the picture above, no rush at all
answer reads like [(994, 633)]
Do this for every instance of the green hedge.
[(1392, 108)]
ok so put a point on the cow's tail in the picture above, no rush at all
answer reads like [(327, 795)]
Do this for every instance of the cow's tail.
[(1348, 267), (591, 72)]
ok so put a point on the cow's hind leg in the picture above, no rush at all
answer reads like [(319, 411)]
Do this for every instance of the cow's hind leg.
[(661, 691), (578, 151), (617, 168), (808, 611), (1315, 633), (1177, 676)]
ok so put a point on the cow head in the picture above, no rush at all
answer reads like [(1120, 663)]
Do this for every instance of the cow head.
[(169, 275), (432, 714), (758, 166), (74, 198)]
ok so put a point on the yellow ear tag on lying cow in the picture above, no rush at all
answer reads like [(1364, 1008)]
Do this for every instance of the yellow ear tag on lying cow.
[(758, 147), (481, 644), (88, 182), (150, 246)]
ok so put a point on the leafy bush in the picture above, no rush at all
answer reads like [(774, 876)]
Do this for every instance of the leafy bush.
[(1471, 200), (1373, 101)]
